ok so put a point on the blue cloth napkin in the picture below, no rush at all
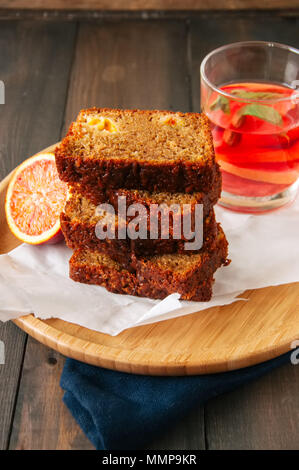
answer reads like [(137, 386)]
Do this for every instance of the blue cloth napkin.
[(125, 411)]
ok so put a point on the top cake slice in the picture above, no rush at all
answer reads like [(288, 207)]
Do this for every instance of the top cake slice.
[(134, 149)]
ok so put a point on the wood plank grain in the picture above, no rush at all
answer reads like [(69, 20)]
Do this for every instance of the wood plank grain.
[(41, 420), (131, 5), (262, 415), (34, 68), (14, 342), (188, 434), (129, 64), (206, 35)]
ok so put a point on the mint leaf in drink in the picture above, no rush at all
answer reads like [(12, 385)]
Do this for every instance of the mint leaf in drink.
[(261, 111), (221, 102), (255, 95)]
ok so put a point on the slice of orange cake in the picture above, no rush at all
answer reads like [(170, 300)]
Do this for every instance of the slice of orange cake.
[(133, 149), (191, 275)]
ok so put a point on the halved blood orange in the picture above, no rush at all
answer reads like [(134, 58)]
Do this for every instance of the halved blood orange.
[(34, 199)]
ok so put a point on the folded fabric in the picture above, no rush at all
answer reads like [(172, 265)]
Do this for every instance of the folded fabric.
[(124, 411)]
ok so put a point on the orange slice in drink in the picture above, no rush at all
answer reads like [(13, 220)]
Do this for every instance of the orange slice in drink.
[(34, 199), (286, 177)]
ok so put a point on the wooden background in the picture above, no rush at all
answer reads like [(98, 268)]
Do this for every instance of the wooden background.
[(51, 69), (170, 5)]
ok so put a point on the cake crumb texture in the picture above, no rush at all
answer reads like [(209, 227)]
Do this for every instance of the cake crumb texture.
[(150, 150)]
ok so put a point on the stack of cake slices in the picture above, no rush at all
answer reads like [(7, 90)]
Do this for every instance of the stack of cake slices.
[(126, 171)]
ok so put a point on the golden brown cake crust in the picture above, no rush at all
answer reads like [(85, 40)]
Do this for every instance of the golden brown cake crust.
[(78, 224), (97, 196), (179, 170), (151, 279)]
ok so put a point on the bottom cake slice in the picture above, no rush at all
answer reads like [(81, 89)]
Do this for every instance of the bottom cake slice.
[(191, 275)]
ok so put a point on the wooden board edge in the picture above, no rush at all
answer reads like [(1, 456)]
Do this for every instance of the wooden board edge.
[(147, 363)]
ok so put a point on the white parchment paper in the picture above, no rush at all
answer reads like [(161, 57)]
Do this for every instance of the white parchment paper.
[(264, 250)]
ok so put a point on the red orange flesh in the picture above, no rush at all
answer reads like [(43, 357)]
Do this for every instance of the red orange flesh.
[(35, 197)]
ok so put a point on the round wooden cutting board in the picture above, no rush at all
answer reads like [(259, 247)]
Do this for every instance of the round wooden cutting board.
[(214, 340)]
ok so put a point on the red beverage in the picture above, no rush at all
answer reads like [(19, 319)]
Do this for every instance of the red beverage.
[(256, 141)]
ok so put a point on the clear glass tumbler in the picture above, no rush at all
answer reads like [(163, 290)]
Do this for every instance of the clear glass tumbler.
[(250, 92)]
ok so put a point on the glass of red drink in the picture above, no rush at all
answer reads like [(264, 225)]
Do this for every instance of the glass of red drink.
[(250, 92)]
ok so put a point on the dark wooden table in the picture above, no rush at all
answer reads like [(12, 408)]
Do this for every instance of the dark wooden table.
[(52, 69)]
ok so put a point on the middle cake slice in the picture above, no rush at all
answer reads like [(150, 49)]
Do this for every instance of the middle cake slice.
[(84, 222)]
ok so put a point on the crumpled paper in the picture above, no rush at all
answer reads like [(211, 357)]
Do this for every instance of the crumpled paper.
[(264, 250)]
